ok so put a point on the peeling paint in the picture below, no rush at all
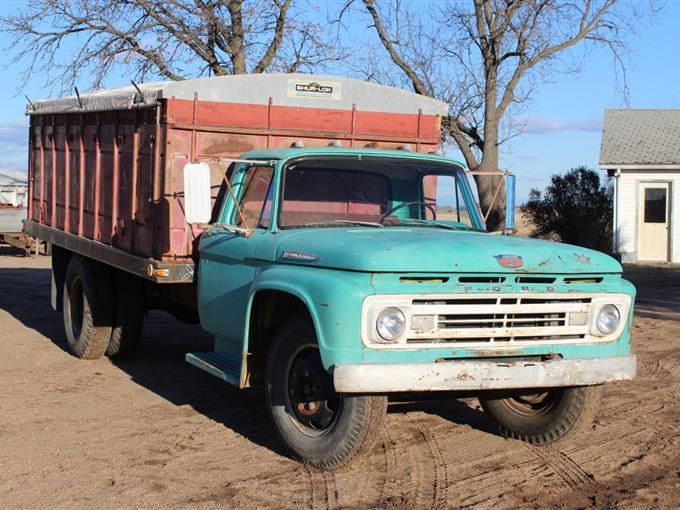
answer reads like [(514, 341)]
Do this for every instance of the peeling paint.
[(476, 375), (585, 259)]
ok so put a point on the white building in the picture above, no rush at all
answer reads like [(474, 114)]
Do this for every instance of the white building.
[(641, 150)]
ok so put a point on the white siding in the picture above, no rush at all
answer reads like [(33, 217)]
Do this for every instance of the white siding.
[(628, 210)]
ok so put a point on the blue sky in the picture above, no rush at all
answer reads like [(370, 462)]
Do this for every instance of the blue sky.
[(563, 123), (565, 119)]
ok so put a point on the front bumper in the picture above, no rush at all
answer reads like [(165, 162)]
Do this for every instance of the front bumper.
[(457, 375)]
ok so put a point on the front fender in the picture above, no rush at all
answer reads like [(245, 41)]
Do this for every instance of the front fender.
[(334, 300)]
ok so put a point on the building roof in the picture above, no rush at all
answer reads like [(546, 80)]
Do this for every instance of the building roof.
[(640, 137), (13, 178), (306, 90)]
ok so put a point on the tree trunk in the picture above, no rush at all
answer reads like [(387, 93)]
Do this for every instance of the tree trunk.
[(487, 185)]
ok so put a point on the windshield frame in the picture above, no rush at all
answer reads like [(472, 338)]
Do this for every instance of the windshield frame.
[(448, 167)]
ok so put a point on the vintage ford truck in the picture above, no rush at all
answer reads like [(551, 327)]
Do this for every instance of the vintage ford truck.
[(334, 275)]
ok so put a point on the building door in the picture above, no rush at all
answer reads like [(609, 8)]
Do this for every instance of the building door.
[(654, 222)]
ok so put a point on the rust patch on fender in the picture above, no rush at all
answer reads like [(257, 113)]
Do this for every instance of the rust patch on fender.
[(583, 258)]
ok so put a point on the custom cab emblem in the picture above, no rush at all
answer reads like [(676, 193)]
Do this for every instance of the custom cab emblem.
[(509, 261), (298, 255)]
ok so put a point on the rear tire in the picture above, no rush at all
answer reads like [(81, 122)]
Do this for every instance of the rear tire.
[(129, 317), (88, 308), (322, 428), (544, 416)]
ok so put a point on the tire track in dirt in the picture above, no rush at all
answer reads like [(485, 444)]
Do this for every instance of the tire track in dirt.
[(618, 491), (562, 465), (669, 363), (392, 490), (408, 481), (415, 470), (618, 410), (658, 364), (483, 482), (440, 481), (323, 492), (613, 432)]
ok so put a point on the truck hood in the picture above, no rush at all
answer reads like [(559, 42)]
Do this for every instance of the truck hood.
[(427, 250)]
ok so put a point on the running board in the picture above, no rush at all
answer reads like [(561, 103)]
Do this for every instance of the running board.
[(224, 367)]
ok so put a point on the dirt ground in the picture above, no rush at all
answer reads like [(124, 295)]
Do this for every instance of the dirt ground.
[(155, 432)]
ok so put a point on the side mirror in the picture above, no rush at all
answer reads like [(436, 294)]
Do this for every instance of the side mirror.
[(509, 202), (197, 200)]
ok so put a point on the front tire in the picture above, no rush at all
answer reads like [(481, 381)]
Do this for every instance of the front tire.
[(88, 308), (544, 416), (323, 428)]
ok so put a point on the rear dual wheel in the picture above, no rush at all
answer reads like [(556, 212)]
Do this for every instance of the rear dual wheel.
[(102, 315), (130, 307), (88, 308)]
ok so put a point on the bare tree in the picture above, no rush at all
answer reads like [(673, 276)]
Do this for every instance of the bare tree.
[(68, 40), (486, 58)]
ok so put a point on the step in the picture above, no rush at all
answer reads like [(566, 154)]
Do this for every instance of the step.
[(227, 368)]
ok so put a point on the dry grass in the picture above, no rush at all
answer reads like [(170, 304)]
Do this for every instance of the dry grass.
[(523, 225)]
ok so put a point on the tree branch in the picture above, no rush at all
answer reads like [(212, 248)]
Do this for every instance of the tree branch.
[(276, 37), (418, 85)]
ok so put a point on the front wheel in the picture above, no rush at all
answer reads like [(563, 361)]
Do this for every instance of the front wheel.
[(321, 427), (544, 416)]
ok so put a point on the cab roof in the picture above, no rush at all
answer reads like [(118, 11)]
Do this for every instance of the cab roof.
[(287, 153)]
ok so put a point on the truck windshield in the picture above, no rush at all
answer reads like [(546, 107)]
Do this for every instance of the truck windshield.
[(376, 191)]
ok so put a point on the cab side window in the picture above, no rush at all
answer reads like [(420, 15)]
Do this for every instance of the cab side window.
[(256, 198), (444, 193)]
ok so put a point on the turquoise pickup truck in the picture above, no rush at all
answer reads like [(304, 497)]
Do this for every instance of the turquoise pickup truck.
[(339, 276)]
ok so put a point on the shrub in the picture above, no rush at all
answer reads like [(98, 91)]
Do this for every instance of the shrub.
[(576, 208)]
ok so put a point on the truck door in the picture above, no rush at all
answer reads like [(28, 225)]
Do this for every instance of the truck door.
[(228, 260)]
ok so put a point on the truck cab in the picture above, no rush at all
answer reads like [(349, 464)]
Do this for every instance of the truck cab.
[(351, 274)]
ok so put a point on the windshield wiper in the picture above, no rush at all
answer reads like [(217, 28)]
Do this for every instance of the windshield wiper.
[(431, 223), (232, 229), (345, 222)]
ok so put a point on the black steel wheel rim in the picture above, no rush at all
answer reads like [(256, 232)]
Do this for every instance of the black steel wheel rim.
[(311, 400), (533, 404)]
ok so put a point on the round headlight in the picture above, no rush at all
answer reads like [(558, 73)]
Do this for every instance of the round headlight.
[(390, 324), (608, 318)]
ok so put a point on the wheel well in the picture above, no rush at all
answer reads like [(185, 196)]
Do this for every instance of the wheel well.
[(270, 310)]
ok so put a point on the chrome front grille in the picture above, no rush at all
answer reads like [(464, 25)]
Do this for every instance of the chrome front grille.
[(483, 320), (501, 319)]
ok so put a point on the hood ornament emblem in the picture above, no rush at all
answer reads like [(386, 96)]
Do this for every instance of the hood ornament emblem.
[(509, 261)]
